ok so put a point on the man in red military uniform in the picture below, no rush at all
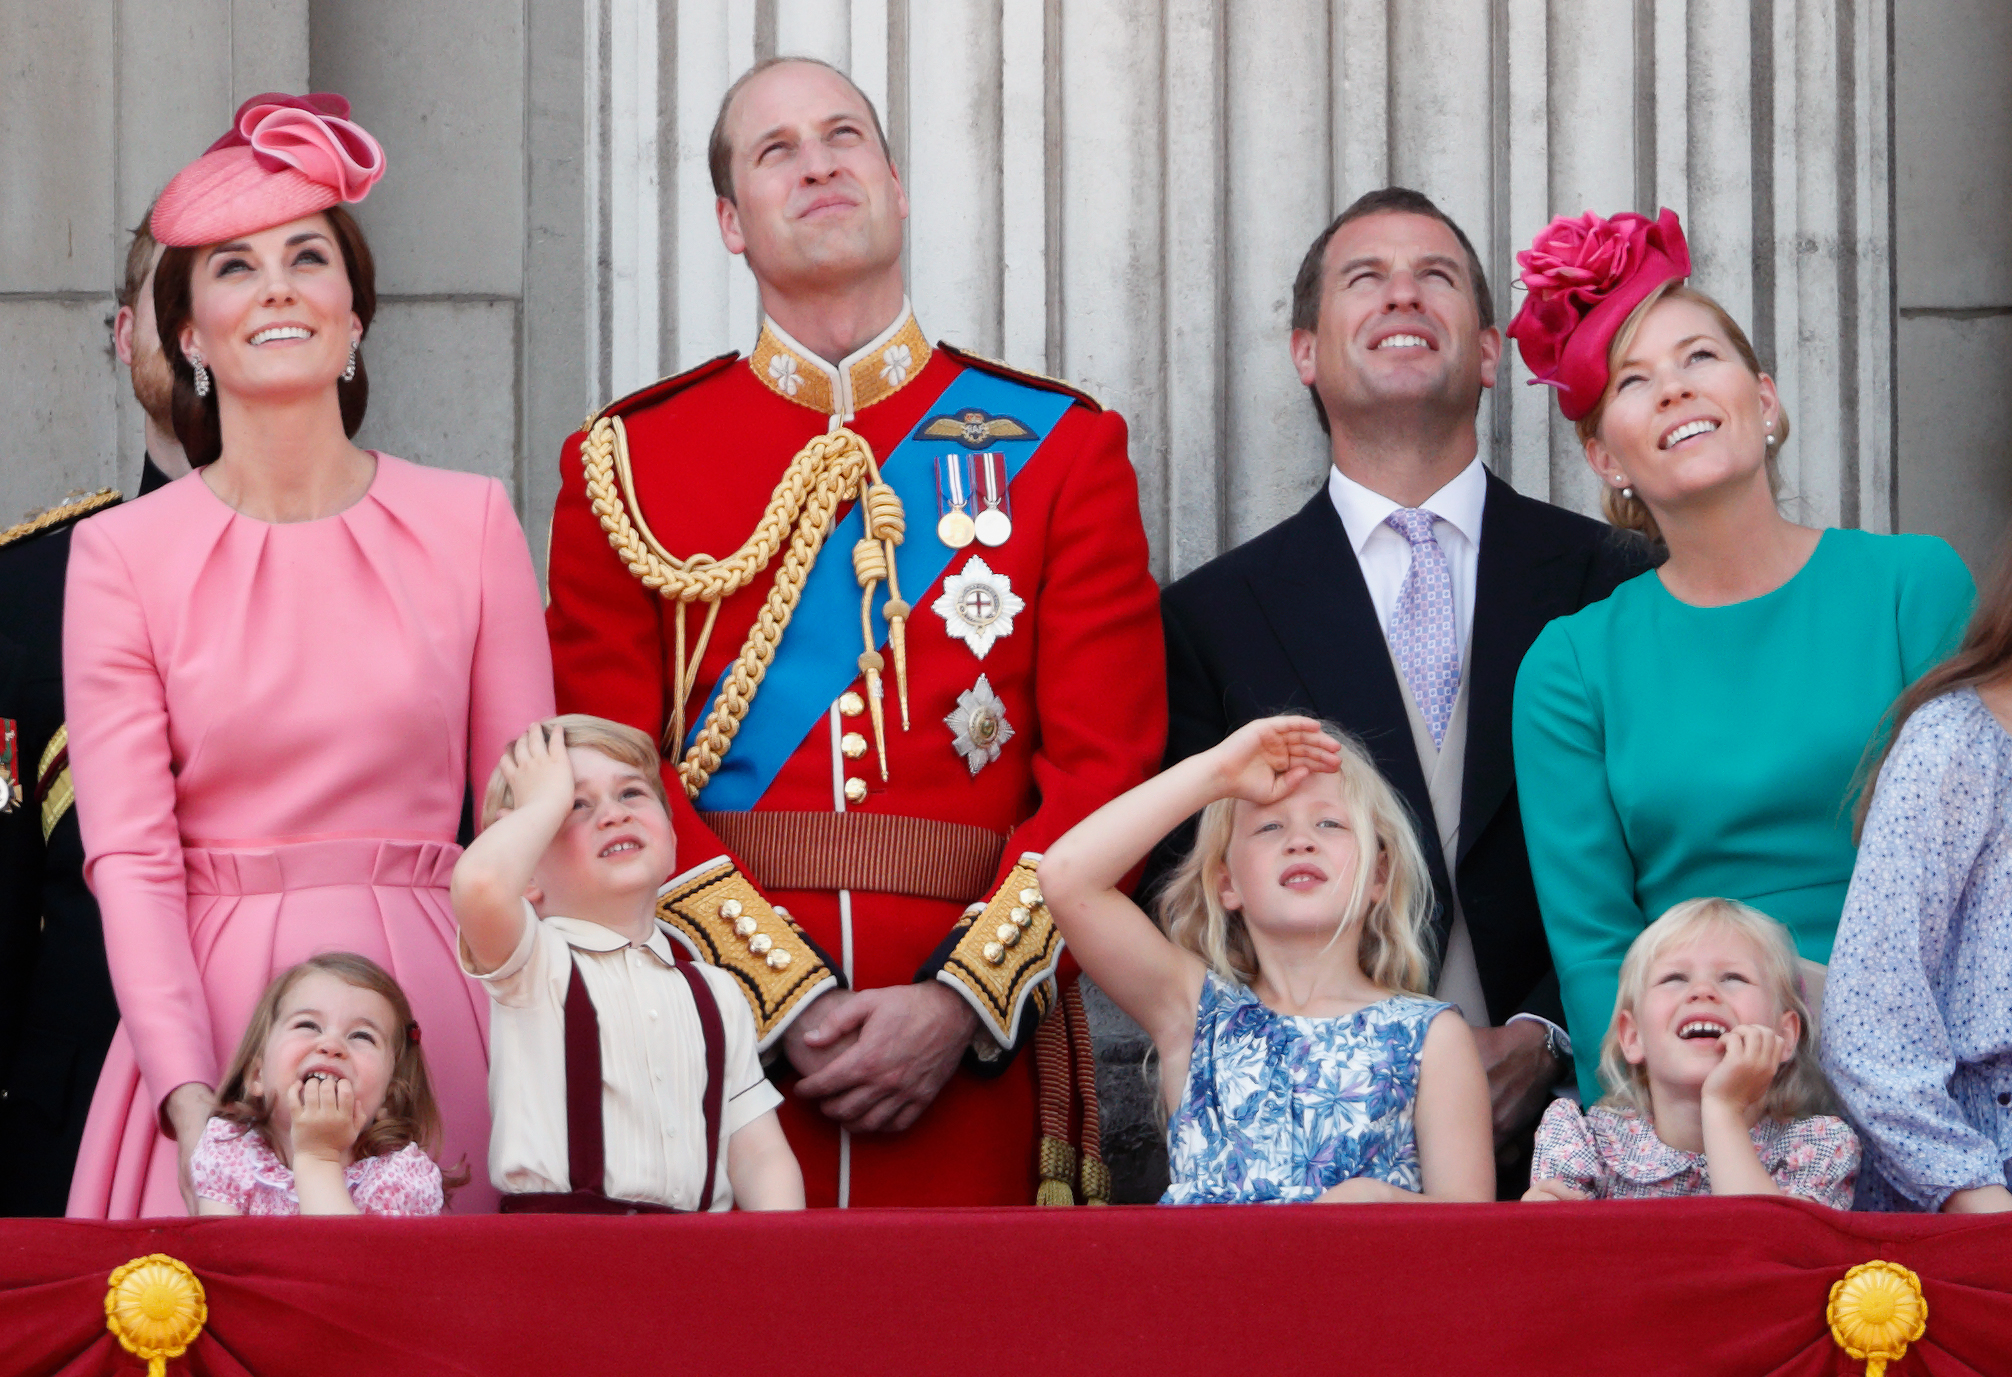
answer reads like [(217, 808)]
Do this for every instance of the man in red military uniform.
[(934, 647)]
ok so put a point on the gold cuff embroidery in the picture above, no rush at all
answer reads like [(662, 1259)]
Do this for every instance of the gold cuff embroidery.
[(727, 923), (57, 792), (1006, 954)]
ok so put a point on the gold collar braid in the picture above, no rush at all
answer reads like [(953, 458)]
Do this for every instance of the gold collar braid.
[(832, 469)]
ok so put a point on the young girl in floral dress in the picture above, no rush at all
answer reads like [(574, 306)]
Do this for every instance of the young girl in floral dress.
[(1710, 1065), (327, 1107), (1301, 1058)]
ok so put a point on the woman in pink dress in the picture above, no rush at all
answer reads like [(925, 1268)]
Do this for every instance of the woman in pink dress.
[(283, 668)]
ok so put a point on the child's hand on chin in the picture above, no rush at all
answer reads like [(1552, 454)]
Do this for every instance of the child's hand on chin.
[(325, 1119), (1752, 1055)]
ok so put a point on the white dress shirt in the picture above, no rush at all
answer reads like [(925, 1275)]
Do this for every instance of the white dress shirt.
[(1385, 555), (653, 1064)]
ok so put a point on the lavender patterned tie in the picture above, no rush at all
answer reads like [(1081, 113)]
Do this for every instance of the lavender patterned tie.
[(1421, 624)]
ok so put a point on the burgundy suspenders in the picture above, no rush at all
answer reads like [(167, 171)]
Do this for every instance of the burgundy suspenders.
[(585, 1141)]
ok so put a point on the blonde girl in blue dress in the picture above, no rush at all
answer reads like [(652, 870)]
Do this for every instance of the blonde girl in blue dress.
[(1301, 1058)]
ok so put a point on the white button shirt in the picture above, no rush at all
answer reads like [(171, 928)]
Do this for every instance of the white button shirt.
[(1385, 555), (653, 1064)]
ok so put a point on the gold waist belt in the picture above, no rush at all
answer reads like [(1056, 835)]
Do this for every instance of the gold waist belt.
[(923, 857)]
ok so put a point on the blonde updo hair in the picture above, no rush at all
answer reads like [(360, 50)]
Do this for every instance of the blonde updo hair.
[(1631, 513), (1391, 950), (1799, 1088), (616, 740)]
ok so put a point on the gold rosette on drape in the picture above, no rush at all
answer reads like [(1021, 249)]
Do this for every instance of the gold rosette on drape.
[(1876, 1310), (154, 1307)]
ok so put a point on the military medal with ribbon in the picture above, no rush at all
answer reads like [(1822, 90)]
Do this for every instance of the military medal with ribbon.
[(11, 792), (995, 523), (955, 527)]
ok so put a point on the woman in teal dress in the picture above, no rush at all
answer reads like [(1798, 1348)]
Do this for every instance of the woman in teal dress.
[(1697, 733)]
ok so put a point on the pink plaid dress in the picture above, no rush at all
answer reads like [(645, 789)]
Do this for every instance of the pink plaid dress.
[(1614, 1154), (234, 1166)]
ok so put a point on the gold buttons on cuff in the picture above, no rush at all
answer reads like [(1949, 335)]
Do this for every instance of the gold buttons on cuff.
[(1030, 898), (1021, 917), (995, 953), (760, 943), (778, 960), (744, 926), (851, 704), (730, 909), (1008, 934), (855, 790), (853, 744)]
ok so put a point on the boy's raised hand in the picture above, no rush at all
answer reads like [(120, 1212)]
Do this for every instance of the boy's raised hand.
[(1263, 761), (538, 770)]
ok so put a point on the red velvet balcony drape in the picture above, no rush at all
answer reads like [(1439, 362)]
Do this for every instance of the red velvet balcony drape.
[(1704, 1286)]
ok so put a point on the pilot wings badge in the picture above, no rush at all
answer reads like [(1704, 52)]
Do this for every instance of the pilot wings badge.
[(973, 429)]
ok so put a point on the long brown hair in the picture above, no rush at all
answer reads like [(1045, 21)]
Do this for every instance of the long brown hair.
[(1985, 654), (1631, 513), (410, 1113), (195, 418)]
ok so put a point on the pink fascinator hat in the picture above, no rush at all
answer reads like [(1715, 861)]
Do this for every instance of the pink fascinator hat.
[(285, 157), (1584, 277)]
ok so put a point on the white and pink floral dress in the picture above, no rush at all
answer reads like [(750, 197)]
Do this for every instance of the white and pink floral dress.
[(1614, 1154), (234, 1166)]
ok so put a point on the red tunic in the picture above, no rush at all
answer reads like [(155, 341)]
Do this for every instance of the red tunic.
[(1081, 676)]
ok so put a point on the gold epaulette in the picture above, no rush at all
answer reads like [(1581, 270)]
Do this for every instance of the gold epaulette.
[(1007, 370), (1005, 954), (73, 506), (725, 921), (53, 785), (660, 389)]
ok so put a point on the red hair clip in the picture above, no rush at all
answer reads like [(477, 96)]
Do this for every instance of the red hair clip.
[(412, 1033)]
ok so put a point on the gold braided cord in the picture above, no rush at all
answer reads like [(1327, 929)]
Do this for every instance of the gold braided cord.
[(830, 470)]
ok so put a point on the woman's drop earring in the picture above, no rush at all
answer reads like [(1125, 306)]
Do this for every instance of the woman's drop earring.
[(1627, 493), (202, 376), (349, 373)]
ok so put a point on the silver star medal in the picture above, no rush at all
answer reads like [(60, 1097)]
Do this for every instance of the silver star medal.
[(979, 725), (978, 606)]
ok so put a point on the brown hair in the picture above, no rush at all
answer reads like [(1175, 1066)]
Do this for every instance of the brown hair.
[(616, 740), (1391, 948), (195, 418), (1799, 1088), (1985, 654), (1631, 513), (409, 1114), (1397, 200), (720, 150), (139, 258)]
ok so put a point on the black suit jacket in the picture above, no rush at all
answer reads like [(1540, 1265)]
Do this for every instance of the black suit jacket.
[(57, 1014), (1284, 623)]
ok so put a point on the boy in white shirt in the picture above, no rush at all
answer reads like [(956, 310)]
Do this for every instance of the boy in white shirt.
[(622, 1077)]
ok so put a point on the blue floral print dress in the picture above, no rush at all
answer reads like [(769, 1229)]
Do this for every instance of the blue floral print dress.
[(1279, 1108)]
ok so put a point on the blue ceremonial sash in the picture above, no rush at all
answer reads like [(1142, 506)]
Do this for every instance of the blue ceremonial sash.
[(819, 655)]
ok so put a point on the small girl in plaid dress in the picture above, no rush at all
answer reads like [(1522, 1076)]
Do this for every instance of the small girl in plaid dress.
[(1710, 1065)]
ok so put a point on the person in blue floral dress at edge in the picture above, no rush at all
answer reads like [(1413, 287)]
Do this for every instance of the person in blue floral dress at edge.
[(1710, 1064), (1300, 1056), (1698, 731), (1918, 1009)]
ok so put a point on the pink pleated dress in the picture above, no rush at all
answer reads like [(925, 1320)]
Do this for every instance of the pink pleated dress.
[(270, 730)]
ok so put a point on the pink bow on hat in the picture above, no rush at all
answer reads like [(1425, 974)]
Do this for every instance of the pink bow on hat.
[(1584, 277), (284, 157)]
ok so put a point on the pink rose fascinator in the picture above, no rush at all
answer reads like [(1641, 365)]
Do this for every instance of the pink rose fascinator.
[(1584, 277), (285, 157)]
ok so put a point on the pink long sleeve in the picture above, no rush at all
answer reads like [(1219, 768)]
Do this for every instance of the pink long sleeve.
[(510, 680), (116, 705)]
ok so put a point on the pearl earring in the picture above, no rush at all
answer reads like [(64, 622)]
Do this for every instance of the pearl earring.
[(1628, 494), (202, 375), (349, 373)]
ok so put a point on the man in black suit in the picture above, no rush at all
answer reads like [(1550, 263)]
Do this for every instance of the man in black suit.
[(57, 1014), (1398, 603)]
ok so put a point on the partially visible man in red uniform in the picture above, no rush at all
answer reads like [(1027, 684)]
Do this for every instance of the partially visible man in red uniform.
[(934, 648)]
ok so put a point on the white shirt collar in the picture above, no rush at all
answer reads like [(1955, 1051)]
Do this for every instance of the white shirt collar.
[(1362, 511), (588, 936)]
